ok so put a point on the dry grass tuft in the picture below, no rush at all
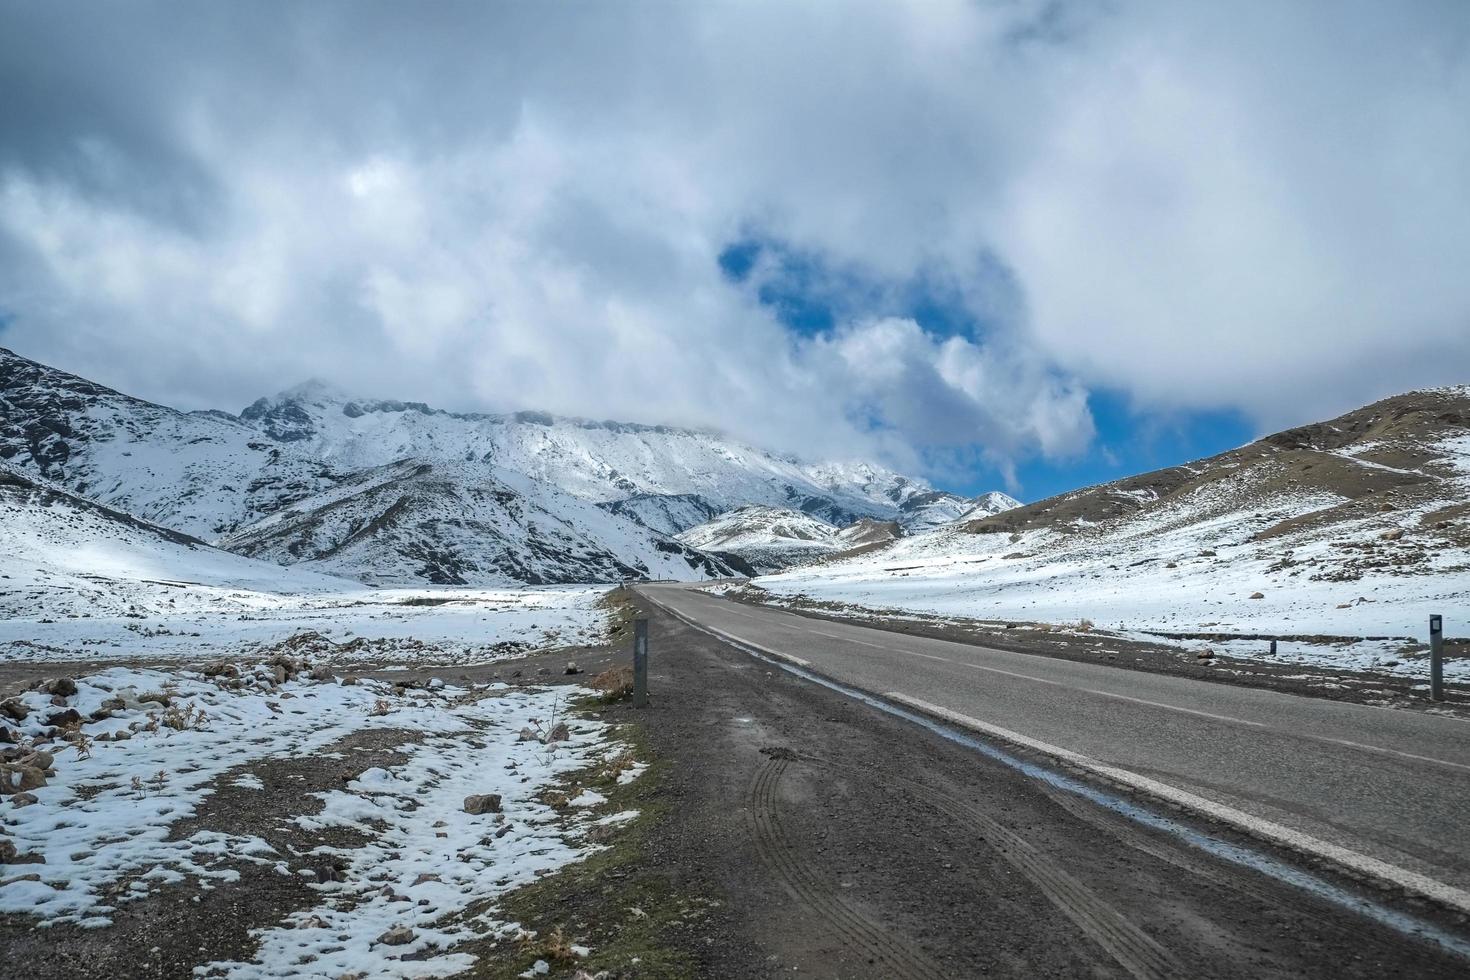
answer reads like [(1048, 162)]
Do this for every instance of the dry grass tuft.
[(614, 683)]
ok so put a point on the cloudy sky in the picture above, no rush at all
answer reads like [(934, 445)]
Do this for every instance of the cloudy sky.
[(1022, 244)]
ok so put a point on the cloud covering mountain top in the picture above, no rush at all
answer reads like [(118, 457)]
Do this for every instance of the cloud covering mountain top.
[(1000, 209)]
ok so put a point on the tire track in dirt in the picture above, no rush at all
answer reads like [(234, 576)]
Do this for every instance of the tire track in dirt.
[(1132, 948), (869, 938)]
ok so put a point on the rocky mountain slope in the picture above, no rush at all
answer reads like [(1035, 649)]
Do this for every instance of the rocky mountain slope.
[(400, 491), (766, 538), (1327, 533), (452, 524), (667, 477)]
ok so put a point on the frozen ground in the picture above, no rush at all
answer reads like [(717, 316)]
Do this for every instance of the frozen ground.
[(79, 582), (104, 820), (388, 626)]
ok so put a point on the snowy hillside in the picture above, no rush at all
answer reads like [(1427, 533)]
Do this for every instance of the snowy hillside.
[(766, 538), (988, 505), (698, 473), (202, 473), (1357, 527), (66, 556), (390, 491), (465, 523)]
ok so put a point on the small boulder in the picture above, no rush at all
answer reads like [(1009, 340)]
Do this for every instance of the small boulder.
[(23, 799), (397, 936), (8, 736), (526, 735), (60, 719), (559, 734), (482, 803), (1258, 595), (572, 668), (321, 673), (14, 709), (278, 674), (20, 778), (349, 681), (62, 687), (7, 850), (1393, 535)]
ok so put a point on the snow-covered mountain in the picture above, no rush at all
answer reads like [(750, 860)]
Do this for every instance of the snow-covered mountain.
[(988, 505), (452, 524), (667, 477), (389, 490), (202, 473), (766, 538), (1355, 527)]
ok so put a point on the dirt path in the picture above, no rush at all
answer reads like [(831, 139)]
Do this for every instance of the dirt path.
[(834, 841)]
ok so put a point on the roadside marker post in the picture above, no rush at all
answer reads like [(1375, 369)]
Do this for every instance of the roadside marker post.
[(640, 663), (1436, 658)]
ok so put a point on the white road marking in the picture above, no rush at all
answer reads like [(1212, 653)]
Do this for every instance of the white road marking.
[(1295, 839), (1227, 719)]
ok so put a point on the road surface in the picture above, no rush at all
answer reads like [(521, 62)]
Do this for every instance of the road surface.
[(1381, 791)]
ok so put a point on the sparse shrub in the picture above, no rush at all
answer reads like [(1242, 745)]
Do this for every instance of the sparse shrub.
[(1084, 625), (615, 683), (185, 718), (554, 947), (618, 764)]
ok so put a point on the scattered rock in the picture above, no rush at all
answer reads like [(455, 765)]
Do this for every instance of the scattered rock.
[(482, 803), (1393, 535), (543, 670), (7, 850), (19, 778), (559, 734), (39, 759), (1172, 564), (1207, 553), (63, 687), (9, 735), (349, 681), (278, 674), (14, 709), (1258, 595), (526, 735), (221, 668), (503, 831), (425, 876), (321, 673), (23, 799), (572, 668), (60, 719), (122, 736), (397, 936)]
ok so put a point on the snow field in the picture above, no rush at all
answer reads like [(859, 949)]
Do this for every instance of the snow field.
[(103, 822)]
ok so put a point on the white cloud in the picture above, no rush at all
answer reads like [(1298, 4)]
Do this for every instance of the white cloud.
[(503, 207)]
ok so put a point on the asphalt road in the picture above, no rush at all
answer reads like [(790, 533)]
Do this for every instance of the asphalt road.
[(1376, 788)]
